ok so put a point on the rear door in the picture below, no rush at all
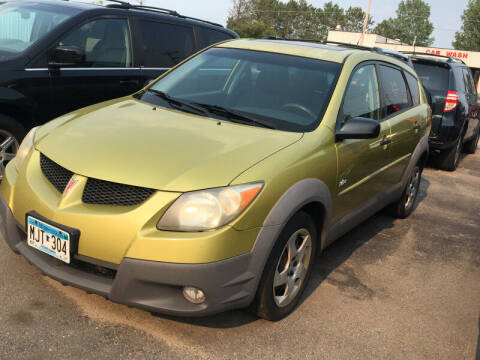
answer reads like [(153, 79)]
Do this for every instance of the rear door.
[(405, 120), (361, 163), (107, 72), (161, 45)]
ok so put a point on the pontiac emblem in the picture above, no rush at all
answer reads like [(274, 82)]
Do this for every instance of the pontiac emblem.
[(70, 185)]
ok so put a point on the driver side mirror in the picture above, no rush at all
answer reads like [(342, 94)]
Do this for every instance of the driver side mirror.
[(358, 128), (67, 56)]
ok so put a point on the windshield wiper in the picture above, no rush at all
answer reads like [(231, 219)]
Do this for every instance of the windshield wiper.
[(177, 102), (232, 114)]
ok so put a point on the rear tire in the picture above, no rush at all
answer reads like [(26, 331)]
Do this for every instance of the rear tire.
[(288, 269), (405, 206), (471, 146), (11, 135), (450, 158)]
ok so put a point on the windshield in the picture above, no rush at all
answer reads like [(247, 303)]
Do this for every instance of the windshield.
[(22, 25), (279, 91)]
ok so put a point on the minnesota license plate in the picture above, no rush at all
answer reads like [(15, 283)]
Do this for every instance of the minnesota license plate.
[(48, 239)]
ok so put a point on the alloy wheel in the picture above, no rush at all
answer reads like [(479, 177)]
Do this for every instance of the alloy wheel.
[(292, 268), (8, 149), (412, 188)]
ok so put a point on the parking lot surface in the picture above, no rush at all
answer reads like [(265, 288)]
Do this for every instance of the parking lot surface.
[(396, 289)]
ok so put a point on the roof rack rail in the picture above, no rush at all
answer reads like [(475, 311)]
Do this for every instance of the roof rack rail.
[(450, 59), (393, 53), (377, 50), (126, 5)]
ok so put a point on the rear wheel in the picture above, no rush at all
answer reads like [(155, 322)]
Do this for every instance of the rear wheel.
[(288, 269), (404, 207), (471, 145), (450, 158), (11, 134)]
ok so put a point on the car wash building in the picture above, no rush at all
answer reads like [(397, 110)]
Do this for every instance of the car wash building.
[(471, 58)]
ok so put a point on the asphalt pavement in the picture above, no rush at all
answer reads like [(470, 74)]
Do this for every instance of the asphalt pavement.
[(390, 289)]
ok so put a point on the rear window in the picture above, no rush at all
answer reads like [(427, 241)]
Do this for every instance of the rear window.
[(207, 37), (413, 85), (165, 45), (433, 78)]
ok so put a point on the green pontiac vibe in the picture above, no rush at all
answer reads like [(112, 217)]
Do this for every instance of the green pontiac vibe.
[(215, 186)]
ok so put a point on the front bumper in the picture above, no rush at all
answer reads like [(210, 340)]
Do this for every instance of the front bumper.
[(149, 285)]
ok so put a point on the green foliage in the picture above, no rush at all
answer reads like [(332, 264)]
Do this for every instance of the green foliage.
[(412, 21), (469, 37), (292, 19)]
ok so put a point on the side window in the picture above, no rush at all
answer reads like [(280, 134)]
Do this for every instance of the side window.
[(413, 86), (165, 45), (469, 82), (362, 98), (394, 90), (106, 43), (460, 81), (207, 37)]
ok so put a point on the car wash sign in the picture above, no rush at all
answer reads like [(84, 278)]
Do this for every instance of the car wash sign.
[(450, 53)]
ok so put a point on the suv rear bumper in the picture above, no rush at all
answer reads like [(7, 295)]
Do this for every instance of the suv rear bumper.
[(149, 285)]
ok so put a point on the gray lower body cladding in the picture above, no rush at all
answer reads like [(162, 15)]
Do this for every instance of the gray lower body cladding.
[(149, 285)]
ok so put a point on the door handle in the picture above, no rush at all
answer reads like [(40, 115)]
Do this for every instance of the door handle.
[(386, 141), (417, 126), (129, 82)]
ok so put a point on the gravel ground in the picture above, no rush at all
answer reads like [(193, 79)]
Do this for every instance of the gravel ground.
[(396, 289)]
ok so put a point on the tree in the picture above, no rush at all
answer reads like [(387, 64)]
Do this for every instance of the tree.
[(411, 24), (469, 37), (292, 19)]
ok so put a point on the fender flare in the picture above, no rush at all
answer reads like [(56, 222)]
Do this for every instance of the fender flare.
[(296, 197), (421, 149)]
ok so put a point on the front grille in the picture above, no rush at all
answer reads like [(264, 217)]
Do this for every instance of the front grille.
[(57, 175), (109, 193)]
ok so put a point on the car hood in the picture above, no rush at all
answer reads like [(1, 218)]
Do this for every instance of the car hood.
[(127, 141)]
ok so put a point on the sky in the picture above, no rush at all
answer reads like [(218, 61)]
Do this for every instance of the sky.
[(445, 14)]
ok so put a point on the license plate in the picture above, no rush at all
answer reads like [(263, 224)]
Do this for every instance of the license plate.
[(48, 239)]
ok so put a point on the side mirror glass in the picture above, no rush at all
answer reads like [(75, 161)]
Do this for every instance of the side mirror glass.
[(67, 56), (358, 128)]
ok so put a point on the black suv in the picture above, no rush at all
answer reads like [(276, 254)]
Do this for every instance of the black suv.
[(455, 123), (58, 56)]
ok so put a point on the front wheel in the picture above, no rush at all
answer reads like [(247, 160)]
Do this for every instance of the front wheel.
[(11, 134), (288, 269)]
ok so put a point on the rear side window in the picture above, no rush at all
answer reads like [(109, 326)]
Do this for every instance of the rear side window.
[(165, 45), (413, 86), (433, 78), (207, 37), (394, 90), (469, 82), (460, 80), (362, 98)]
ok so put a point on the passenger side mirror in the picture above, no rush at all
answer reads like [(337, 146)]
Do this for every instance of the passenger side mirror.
[(67, 56), (358, 128)]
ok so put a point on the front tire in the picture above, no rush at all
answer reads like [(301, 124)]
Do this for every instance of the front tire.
[(288, 269), (11, 135)]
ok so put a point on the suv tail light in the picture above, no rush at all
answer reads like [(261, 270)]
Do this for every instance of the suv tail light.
[(451, 102)]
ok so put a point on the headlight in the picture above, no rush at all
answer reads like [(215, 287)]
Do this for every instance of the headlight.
[(208, 209), (24, 148)]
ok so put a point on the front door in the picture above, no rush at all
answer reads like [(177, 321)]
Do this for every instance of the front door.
[(361, 163), (107, 72)]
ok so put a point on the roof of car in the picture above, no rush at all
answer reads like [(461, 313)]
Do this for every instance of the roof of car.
[(298, 48), (134, 8)]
